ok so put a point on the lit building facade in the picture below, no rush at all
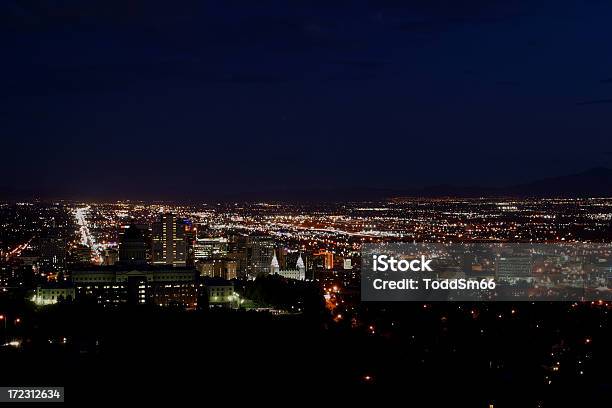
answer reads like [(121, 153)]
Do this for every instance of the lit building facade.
[(208, 248), (299, 273), (169, 243), (259, 253), (117, 285), (52, 250), (218, 268), (50, 294), (221, 295)]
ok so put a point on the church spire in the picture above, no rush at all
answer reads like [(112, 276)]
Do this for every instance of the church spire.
[(274, 265), (275, 261), (300, 262)]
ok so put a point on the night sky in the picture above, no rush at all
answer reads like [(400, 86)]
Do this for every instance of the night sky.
[(150, 99)]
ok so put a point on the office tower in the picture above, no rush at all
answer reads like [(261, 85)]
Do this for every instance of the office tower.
[(208, 248), (260, 250), (52, 250), (169, 244), (236, 250), (82, 254), (191, 233), (329, 260), (327, 257), (217, 268)]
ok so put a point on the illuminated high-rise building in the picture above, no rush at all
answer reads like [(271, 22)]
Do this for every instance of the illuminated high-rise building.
[(52, 253), (237, 251), (169, 244), (208, 248), (328, 258), (217, 268), (190, 237), (260, 250)]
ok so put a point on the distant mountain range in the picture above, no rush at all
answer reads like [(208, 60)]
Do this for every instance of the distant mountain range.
[(596, 182), (9, 193)]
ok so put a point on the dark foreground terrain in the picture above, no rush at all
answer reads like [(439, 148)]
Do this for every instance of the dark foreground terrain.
[(440, 354)]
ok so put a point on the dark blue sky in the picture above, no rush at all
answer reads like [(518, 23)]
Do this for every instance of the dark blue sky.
[(118, 98)]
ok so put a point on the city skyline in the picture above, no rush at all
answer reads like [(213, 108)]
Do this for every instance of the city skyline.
[(236, 201), (279, 288)]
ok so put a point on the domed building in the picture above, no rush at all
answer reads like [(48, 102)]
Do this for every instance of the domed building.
[(133, 246)]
